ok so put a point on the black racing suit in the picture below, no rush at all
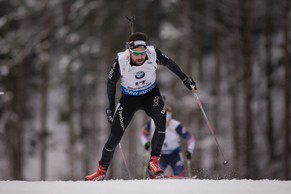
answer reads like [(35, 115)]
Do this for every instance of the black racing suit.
[(151, 102)]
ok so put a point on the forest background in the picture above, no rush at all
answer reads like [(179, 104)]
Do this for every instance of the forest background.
[(55, 57)]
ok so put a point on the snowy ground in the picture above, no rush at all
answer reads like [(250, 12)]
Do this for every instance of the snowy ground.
[(148, 187)]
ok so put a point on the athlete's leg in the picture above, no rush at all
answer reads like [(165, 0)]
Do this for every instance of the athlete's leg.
[(156, 110), (177, 164), (163, 163), (123, 114)]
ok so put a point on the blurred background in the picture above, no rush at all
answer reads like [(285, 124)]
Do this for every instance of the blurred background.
[(55, 57)]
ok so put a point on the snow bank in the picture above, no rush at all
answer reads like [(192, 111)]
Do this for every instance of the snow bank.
[(148, 187)]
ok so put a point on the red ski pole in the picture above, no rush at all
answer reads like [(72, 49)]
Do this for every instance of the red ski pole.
[(123, 157)]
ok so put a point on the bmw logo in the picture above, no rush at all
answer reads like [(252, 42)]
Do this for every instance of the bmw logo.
[(139, 75)]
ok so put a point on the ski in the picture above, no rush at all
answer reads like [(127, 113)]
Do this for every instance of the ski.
[(172, 177), (153, 178)]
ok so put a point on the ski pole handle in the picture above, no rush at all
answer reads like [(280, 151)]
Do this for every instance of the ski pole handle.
[(194, 89)]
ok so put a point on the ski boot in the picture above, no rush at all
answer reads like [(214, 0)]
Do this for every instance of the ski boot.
[(154, 169), (99, 175)]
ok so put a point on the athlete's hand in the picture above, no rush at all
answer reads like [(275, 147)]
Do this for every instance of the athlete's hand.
[(110, 114), (188, 155), (189, 83), (147, 146)]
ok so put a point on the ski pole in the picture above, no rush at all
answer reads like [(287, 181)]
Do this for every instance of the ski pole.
[(130, 19), (189, 168), (146, 156), (123, 157), (208, 124)]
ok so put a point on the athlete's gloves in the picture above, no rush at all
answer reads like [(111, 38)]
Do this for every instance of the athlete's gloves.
[(110, 113), (188, 155), (189, 83), (147, 146)]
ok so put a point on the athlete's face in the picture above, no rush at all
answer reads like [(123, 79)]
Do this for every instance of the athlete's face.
[(138, 55)]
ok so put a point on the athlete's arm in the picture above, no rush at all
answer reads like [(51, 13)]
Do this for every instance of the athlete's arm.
[(113, 77), (170, 64)]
